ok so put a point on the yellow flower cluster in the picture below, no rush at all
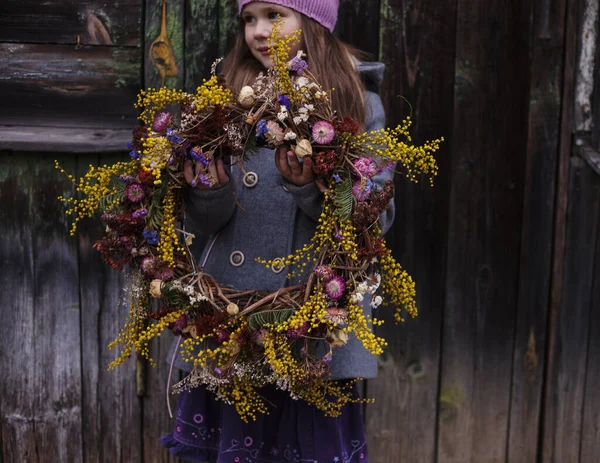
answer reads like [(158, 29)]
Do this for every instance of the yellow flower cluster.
[(279, 50), (131, 331), (387, 143), (211, 93), (97, 188), (348, 242), (398, 288), (331, 396), (245, 398), (155, 154), (279, 355), (312, 311), (169, 241), (153, 100), (358, 324)]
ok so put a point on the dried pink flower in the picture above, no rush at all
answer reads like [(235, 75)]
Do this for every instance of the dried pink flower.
[(323, 132), (274, 134), (134, 192), (335, 287), (161, 121), (365, 167), (324, 272)]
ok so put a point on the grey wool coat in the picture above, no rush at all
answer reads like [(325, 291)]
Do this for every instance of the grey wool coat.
[(275, 219)]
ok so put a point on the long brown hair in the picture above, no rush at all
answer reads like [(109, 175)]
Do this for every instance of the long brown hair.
[(330, 60)]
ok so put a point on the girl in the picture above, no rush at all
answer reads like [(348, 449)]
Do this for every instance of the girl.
[(280, 204)]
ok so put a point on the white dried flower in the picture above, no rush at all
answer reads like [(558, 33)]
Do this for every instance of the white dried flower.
[(290, 136), (246, 98), (155, 288), (303, 148), (376, 302)]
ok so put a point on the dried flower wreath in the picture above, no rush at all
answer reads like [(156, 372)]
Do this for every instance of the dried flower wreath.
[(239, 341)]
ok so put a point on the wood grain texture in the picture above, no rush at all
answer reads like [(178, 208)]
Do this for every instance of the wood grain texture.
[(485, 213), (545, 96), (63, 139), (42, 352), (357, 25), (66, 22), (401, 425), (553, 445), (59, 85), (590, 438), (201, 41), (112, 412), (569, 359)]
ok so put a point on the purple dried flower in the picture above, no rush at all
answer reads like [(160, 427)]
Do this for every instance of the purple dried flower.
[(299, 65), (126, 178), (337, 178), (323, 132), (140, 213), (147, 266), (161, 121), (173, 137), (134, 192), (261, 128), (180, 323), (335, 287), (134, 154), (151, 236), (327, 358), (128, 242), (221, 337), (284, 101), (164, 273)]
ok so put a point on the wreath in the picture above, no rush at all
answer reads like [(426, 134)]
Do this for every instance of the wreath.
[(237, 340)]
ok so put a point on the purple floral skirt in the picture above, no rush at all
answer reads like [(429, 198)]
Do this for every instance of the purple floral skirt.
[(211, 431)]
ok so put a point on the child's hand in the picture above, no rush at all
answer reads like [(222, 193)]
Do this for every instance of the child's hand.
[(216, 172), (287, 163)]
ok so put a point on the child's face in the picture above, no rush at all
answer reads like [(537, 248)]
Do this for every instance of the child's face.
[(259, 18)]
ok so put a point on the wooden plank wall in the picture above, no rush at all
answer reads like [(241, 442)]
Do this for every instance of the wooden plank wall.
[(502, 362)]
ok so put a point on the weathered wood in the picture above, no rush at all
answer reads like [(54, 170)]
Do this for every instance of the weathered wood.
[(590, 440), (401, 424), (569, 358), (112, 413), (63, 139), (555, 447), (201, 41), (228, 25), (59, 85), (17, 361), (71, 22), (357, 22), (589, 154), (486, 201), (164, 44), (545, 93), (46, 420)]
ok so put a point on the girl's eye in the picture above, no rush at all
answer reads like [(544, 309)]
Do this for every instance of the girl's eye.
[(248, 19), (273, 15)]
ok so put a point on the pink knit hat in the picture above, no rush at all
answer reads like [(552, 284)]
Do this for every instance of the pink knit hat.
[(323, 11)]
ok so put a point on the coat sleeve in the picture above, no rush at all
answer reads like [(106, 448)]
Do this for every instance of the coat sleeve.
[(309, 198), (208, 211), (376, 121)]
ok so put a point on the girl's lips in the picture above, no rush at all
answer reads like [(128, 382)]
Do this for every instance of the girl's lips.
[(264, 51)]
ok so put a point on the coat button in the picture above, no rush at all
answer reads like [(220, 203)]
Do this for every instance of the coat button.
[(236, 258), (286, 189), (250, 179), (278, 265)]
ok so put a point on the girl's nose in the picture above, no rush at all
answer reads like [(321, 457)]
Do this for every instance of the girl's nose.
[(262, 30)]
